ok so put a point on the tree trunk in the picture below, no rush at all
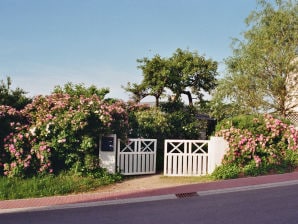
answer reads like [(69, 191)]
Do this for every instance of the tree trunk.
[(190, 103), (157, 101)]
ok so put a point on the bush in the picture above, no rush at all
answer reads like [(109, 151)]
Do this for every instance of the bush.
[(251, 169), (11, 122), (253, 123), (62, 131), (226, 171), (267, 144)]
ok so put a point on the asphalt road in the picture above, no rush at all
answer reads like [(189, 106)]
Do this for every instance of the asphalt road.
[(274, 205)]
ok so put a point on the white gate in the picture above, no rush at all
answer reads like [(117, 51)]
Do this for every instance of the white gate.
[(193, 157), (137, 156), (186, 157)]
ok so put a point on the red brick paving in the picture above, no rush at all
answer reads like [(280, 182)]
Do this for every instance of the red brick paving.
[(91, 197)]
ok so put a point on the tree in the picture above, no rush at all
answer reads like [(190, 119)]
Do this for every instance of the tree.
[(155, 75), (264, 61), (184, 73), (14, 98), (138, 91), (190, 74)]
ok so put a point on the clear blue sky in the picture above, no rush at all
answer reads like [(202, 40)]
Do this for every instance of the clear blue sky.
[(44, 43)]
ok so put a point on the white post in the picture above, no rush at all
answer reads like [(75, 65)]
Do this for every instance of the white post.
[(107, 152), (216, 150)]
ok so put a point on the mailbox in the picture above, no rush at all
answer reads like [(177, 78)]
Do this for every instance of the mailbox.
[(107, 152), (107, 143)]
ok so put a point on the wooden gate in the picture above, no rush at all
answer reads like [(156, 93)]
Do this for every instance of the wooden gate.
[(193, 157), (186, 157), (137, 156)]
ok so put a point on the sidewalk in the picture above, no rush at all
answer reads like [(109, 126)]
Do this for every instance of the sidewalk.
[(184, 189)]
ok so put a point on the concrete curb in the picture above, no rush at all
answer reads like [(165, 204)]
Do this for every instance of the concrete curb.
[(248, 188)]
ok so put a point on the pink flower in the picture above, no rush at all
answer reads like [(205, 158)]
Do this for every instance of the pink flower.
[(62, 140), (42, 147), (20, 136), (257, 160)]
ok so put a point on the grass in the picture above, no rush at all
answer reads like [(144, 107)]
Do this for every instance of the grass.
[(187, 179), (16, 188), (66, 183)]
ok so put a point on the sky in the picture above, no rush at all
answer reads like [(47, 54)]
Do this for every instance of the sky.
[(45, 43)]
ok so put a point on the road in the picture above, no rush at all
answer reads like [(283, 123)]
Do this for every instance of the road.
[(274, 205)]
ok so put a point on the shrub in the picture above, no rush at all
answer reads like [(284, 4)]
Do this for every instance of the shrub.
[(252, 169), (62, 131), (253, 123), (11, 120), (150, 123), (226, 171), (183, 121), (268, 144)]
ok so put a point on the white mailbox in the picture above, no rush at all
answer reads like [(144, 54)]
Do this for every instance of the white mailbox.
[(107, 151)]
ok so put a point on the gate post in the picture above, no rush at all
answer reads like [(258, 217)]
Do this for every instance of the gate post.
[(107, 152), (216, 150)]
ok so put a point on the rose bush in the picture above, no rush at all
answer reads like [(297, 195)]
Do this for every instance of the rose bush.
[(62, 132), (9, 119), (270, 145)]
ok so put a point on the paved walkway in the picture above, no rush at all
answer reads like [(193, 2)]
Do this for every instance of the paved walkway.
[(234, 184)]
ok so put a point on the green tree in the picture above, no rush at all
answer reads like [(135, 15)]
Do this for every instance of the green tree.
[(138, 91), (264, 61), (184, 73), (155, 75), (15, 98), (190, 74)]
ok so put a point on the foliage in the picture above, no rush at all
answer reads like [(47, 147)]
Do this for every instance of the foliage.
[(263, 62), (9, 118), (151, 123), (138, 91), (81, 90), (253, 169), (226, 171), (14, 98), (266, 144), (155, 75), (184, 121), (244, 122), (184, 73), (62, 132), (190, 74), (171, 120), (50, 185)]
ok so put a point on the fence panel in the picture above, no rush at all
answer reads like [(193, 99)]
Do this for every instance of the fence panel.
[(137, 156)]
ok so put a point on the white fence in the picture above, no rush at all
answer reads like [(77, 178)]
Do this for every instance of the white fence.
[(137, 156), (193, 157)]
